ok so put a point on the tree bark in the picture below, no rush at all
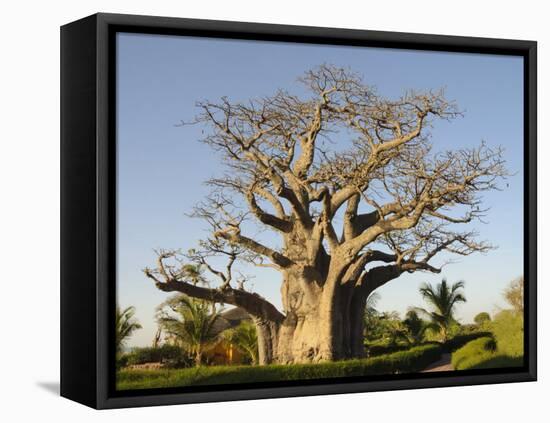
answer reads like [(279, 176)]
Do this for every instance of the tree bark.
[(267, 333), (322, 322)]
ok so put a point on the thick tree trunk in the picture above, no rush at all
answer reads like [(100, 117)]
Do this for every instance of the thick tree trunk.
[(198, 358), (319, 325), (357, 324)]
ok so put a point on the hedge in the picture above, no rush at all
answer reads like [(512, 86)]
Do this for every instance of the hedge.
[(170, 355), (412, 360), (459, 341), (503, 348), (482, 354), (377, 350)]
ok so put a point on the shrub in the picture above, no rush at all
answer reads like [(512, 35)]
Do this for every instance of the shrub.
[(170, 355), (503, 349), (459, 341), (483, 353), (481, 348), (482, 318), (494, 361), (412, 360), (508, 329), (376, 350), (121, 360)]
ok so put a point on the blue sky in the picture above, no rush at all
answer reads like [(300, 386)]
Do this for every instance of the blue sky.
[(162, 167)]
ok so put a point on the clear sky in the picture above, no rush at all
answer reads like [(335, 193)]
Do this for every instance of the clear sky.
[(162, 167)]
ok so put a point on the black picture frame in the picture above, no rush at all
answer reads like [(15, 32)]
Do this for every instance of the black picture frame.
[(88, 201)]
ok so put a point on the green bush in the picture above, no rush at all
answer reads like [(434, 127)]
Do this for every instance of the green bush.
[(375, 350), (494, 361), (482, 318), (170, 355), (481, 348), (459, 341), (503, 349), (508, 329), (121, 361), (412, 360), (483, 353)]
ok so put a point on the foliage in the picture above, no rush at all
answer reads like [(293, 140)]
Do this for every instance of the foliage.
[(125, 325), (376, 349), (514, 294), (121, 360), (468, 329), (460, 340), (190, 323), (490, 360), (386, 332), (388, 187), (473, 353), (410, 361), (508, 329), (506, 349), (443, 299), (170, 355), (415, 327), (384, 328), (245, 338), (482, 318)]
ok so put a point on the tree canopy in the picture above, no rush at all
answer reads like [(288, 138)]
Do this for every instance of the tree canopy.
[(353, 187)]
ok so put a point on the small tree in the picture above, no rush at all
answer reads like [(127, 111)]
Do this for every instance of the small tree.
[(443, 299), (157, 338), (245, 338), (415, 326), (125, 325), (191, 323), (482, 318), (514, 294), (372, 317), (385, 328)]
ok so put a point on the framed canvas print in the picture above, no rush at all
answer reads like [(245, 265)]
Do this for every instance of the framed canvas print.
[(257, 211)]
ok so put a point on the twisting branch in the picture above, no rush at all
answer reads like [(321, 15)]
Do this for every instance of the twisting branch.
[(185, 278), (404, 202), (236, 238), (281, 224)]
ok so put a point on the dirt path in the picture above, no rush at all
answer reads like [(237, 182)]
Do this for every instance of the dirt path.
[(442, 365)]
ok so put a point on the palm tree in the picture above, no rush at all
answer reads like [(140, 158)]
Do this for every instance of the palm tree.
[(415, 327), (191, 323), (245, 338), (125, 325), (443, 299)]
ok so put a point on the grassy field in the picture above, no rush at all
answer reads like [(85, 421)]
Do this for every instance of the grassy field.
[(409, 361)]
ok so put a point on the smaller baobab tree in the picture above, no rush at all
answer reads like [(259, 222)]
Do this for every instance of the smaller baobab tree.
[(125, 325), (443, 299)]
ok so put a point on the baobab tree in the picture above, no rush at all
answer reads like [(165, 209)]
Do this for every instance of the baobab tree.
[(350, 184)]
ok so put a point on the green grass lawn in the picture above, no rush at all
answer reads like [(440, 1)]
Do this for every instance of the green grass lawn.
[(409, 361)]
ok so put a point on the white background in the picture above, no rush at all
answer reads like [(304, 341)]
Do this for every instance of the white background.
[(29, 209)]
